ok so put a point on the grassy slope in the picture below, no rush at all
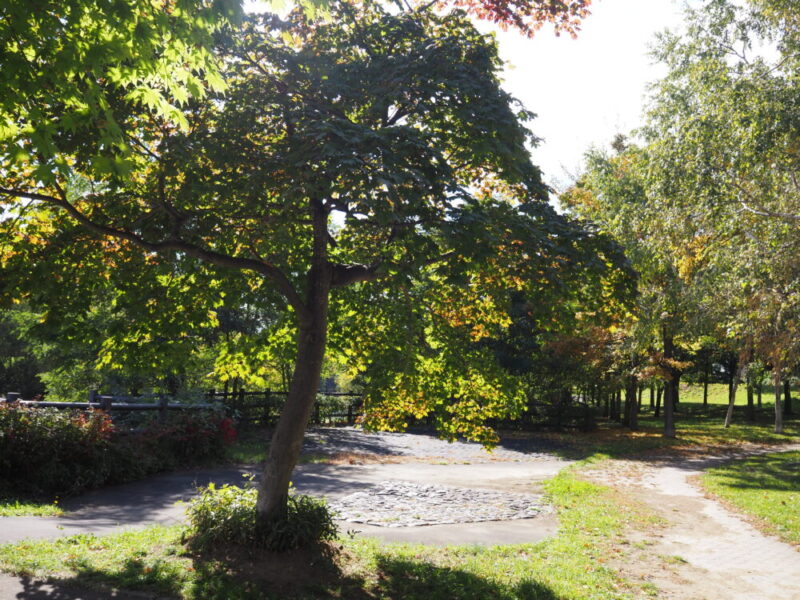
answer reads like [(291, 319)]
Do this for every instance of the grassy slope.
[(766, 487), (569, 566)]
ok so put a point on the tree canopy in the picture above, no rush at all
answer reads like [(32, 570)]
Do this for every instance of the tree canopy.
[(365, 173)]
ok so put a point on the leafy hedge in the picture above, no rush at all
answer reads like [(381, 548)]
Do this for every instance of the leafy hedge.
[(51, 452)]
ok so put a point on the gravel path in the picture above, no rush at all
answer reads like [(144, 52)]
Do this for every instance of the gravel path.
[(331, 441)]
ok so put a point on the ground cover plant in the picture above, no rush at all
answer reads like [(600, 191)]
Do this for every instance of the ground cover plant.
[(16, 507), (569, 566), (49, 453), (765, 487)]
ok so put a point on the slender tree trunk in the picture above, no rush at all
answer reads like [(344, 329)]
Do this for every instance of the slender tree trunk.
[(670, 386), (632, 399), (659, 393), (778, 407), (640, 389), (615, 398), (287, 439), (606, 404), (652, 395), (759, 389), (732, 388), (706, 376), (751, 413), (787, 397)]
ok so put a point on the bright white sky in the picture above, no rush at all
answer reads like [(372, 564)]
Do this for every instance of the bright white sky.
[(583, 90)]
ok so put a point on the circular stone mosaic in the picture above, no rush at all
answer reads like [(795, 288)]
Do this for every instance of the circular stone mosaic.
[(407, 504)]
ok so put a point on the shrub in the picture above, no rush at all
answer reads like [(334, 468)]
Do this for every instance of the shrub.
[(226, 516), (47, 452)]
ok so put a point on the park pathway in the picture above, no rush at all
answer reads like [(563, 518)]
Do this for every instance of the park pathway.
[(711, 552)]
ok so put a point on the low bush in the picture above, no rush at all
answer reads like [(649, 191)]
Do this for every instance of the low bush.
[(51, 452), (226, 516)]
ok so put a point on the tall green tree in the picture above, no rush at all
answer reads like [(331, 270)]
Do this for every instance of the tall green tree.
[(724, 129), (392, 125)]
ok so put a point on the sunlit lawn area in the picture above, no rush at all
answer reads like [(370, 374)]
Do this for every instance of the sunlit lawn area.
[(17, 507), (571, 565), (766, 487)]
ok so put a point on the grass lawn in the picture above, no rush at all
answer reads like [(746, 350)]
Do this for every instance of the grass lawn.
[(766, 487), (697, 427), (17, 507), (572, 565)]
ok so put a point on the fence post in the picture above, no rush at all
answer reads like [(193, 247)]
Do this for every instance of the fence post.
[(267, 401), (105, 402), (12, 396), (92, 397), (316, 411), (163, 402)]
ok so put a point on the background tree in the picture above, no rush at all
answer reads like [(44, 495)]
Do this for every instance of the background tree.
[(723, 128)]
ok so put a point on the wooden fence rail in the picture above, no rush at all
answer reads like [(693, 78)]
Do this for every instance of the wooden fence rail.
[(253, 407)]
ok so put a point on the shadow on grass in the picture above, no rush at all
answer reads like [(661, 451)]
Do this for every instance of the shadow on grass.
[(699, 430), (32, 589), (410, 579), (239, 575), (776, 472)]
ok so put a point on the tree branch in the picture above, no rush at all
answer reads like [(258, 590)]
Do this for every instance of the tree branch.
[(271, 272), (344, 275)]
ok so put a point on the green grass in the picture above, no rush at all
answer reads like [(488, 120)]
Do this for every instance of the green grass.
[(696, 427), (16, 507), (766, 487), (249, 448), (570, 566)]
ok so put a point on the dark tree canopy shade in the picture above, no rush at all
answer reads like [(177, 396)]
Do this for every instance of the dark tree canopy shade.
[(371, 157)]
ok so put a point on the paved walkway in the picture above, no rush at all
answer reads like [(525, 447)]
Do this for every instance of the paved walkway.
[(517, 467), (719, 555), (519, 470)]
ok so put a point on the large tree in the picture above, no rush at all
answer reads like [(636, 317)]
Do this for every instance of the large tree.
[(375, 151)]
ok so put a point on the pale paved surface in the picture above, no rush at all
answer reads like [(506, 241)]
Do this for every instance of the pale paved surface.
[(153, 501), (142, 503), (726, 557)]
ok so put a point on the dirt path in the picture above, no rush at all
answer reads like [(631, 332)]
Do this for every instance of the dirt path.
[(704, 551)]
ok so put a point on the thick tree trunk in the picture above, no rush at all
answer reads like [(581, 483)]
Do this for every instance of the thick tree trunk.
[(670, 386), (787, 397), (778, 403), (287, 439)]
